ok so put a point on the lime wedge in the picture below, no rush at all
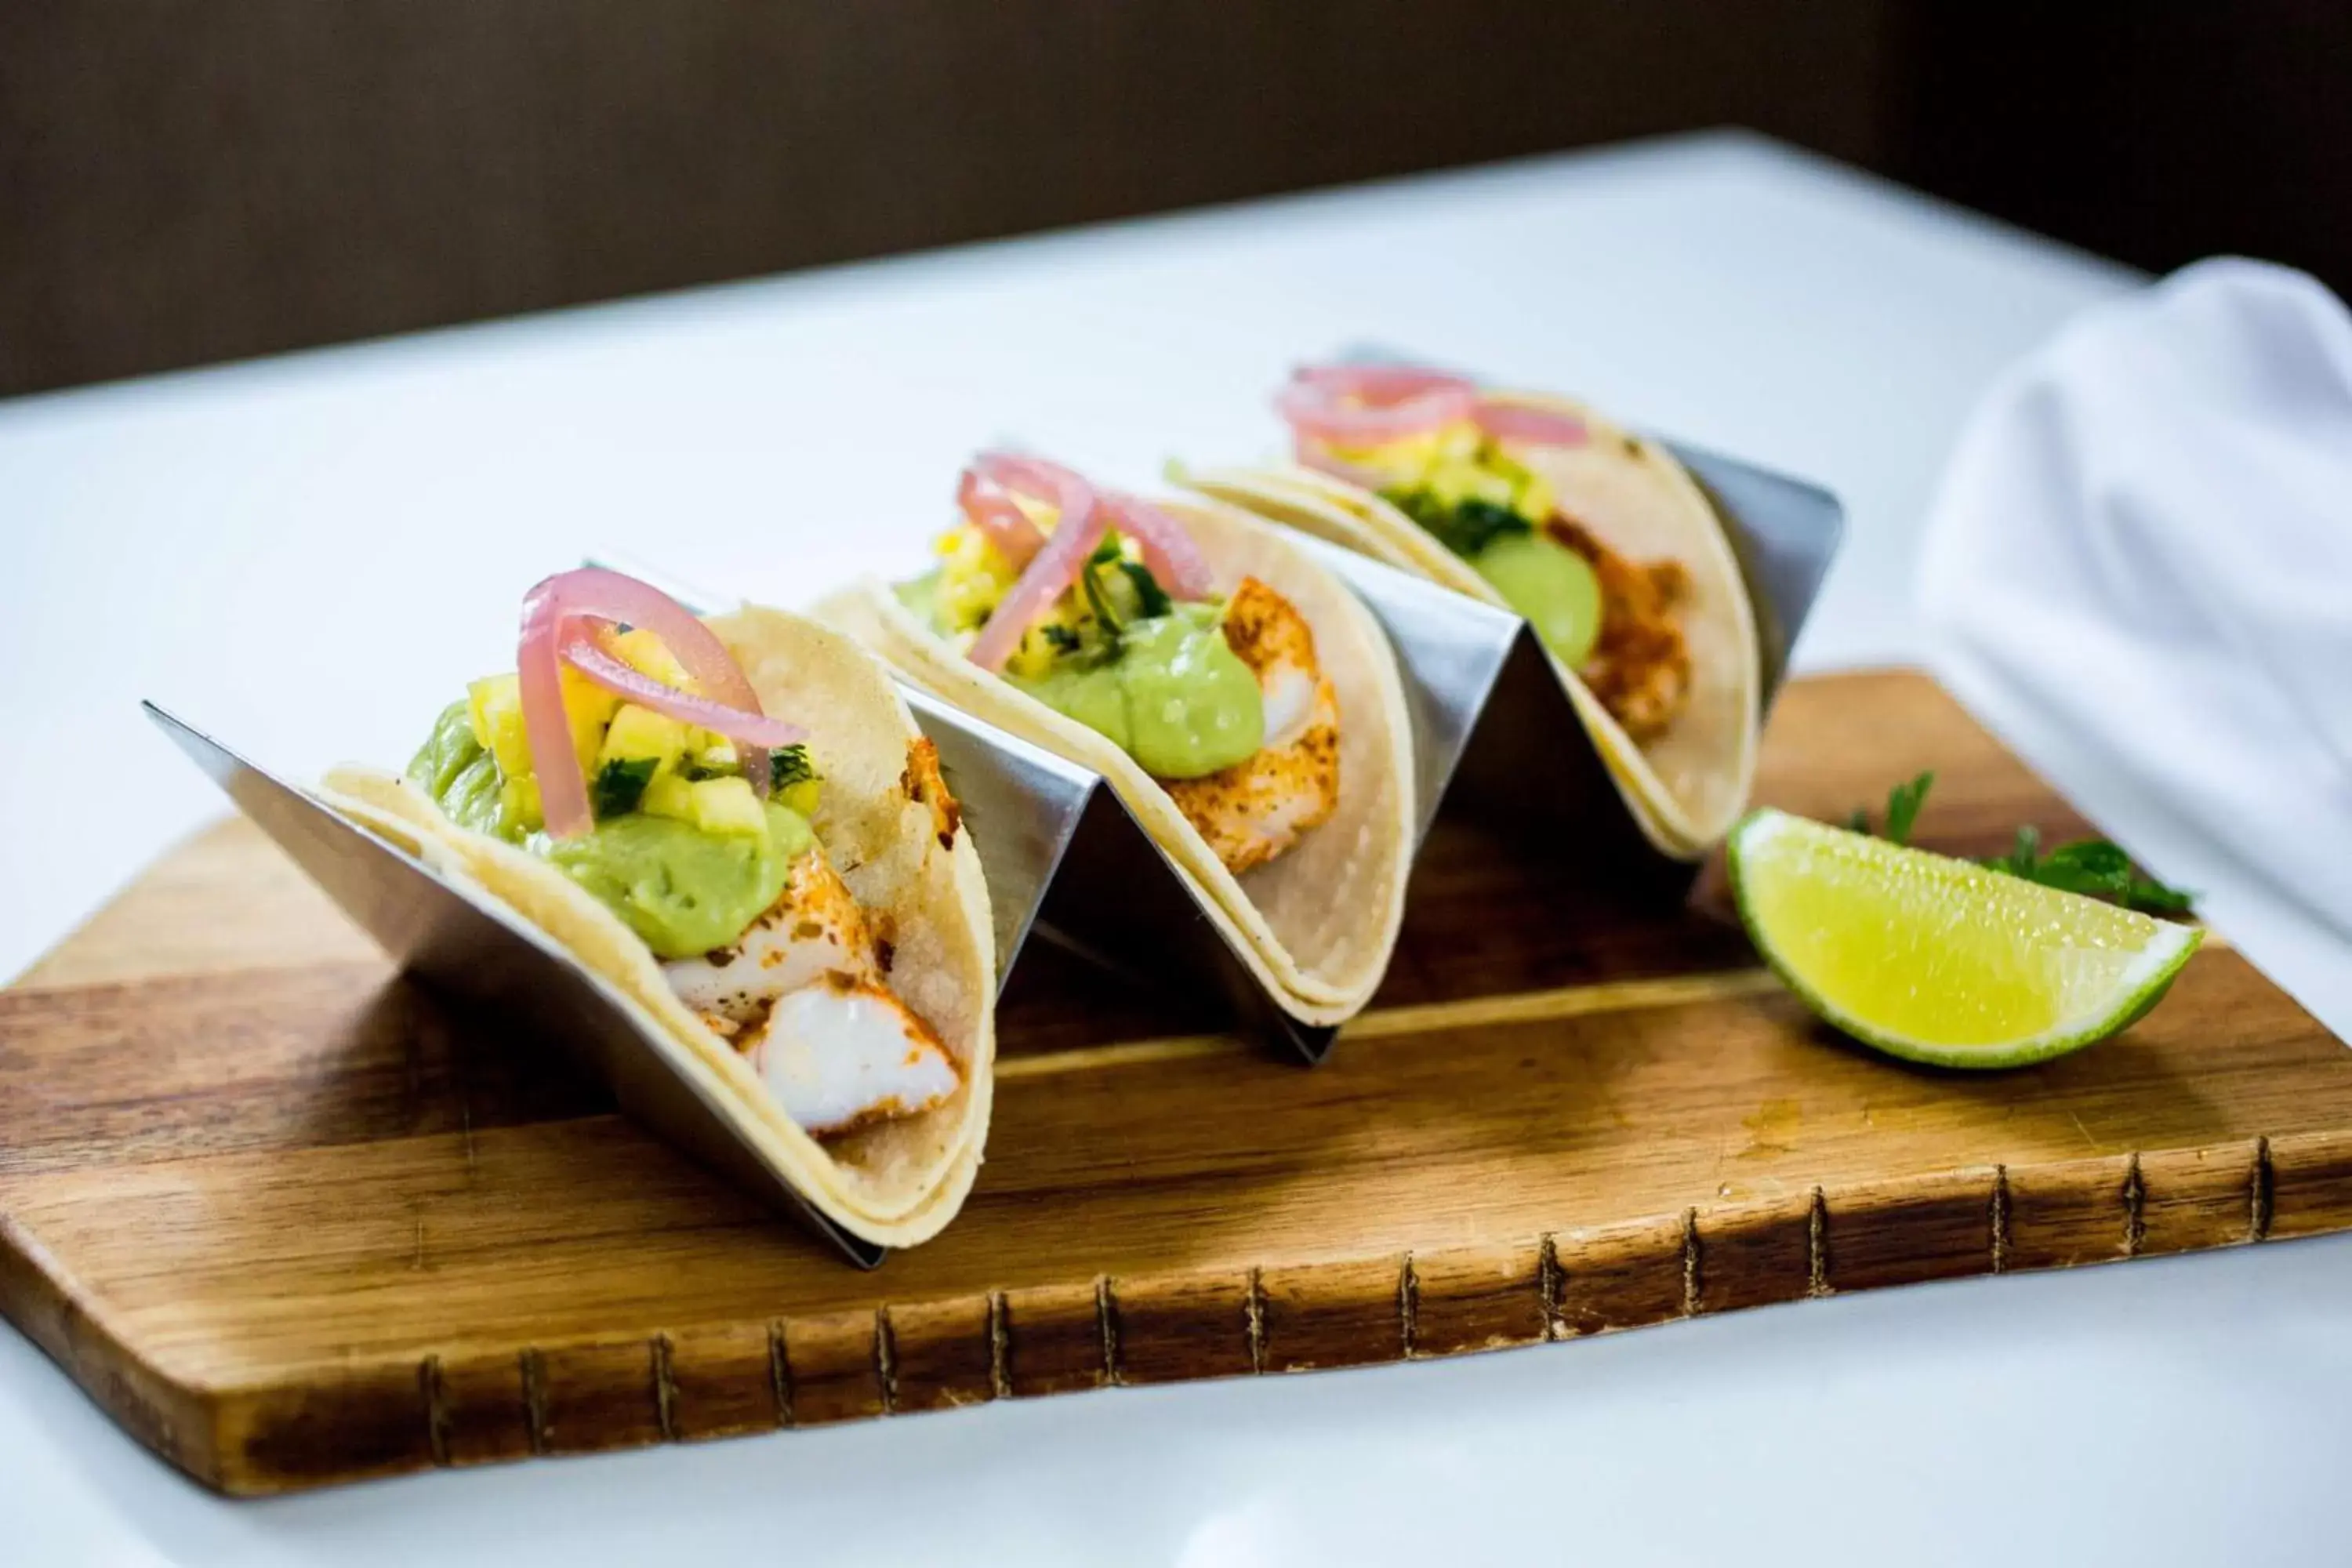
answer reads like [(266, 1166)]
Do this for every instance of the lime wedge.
[(1939, 960)]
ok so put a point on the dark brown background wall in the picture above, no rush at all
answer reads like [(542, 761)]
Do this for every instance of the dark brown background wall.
[(2157, 132), (182, 182)]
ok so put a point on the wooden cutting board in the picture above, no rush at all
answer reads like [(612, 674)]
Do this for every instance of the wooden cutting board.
[(291, 1222)]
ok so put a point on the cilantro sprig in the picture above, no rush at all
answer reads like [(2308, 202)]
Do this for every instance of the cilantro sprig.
[(1903, 803), (789, 766), (1466, 527), (1151, 598), (2091, 866), (619, 786)]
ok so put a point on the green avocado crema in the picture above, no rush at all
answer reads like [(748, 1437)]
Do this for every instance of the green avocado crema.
[(1174, 696), (1170, 692), (1551, 585), (1544, 581), (461, 776), (684, 891)]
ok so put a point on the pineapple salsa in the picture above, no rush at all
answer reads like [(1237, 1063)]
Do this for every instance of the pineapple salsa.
[(1152, 674), (682, 849)]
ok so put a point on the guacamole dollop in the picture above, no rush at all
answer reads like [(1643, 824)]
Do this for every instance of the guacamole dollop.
[(1498, 529), (1551, 584), (462, 777), (683, 890), (1172, 695)]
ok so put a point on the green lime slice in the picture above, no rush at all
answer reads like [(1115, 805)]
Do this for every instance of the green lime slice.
[(1939, 960)]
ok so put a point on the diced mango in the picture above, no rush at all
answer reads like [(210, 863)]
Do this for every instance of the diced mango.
[(801, 796), (519, 801), (637, 733), (728, 806), (590, 708), (1033, 655), (494, 708), (667, 795), (1452, 483), (1404, 460), (1458, 440), (973, 576), (1536, 501), (647, 654)]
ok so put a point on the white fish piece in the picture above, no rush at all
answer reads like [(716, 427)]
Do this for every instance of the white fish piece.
[(801, 996), (1256, 809), (1290, 696), (813, 929), (839, 1054)]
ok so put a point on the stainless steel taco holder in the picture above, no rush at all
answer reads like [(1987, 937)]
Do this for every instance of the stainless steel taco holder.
[(1064, 857), (1526, 757), (462, 942), (1121, 901), (1529, 759), (1493, 732)]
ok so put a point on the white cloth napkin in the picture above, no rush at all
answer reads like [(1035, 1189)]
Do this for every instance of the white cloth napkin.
[(2143, 548)]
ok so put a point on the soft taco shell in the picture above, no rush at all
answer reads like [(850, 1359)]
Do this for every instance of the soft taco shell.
[(898, 1181), (1317, 926), (1684, 788)]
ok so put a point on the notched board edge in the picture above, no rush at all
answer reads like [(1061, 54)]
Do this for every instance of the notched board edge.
[(451, 1408)]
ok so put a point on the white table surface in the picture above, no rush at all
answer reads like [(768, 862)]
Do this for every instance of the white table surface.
[(310, 554)]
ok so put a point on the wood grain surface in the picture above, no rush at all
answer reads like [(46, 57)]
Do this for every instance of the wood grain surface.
[(291, 1221)]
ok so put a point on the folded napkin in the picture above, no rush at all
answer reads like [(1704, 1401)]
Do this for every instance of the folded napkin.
[(2142, 550)]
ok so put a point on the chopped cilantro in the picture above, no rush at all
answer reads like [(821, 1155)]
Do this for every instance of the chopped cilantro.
[(1466, 528), (1096, 599), (1903, 803), (787, 765), (2091, 866), (1153, 598), (619, 785)]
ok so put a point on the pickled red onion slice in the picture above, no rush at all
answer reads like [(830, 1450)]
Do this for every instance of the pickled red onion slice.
[(1062, 488), (553, 634), (1367, 405), (753, 728), (1537, 427), (1049, 573), (1167, 550), (997, 515)]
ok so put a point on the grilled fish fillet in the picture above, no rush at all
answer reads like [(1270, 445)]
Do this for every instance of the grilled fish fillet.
[(1255, 810), (1639, 667), (804, 995), (813, 929), (838, 1055)]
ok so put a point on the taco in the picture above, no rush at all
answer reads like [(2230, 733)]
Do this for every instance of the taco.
[(738, 827), (1596, 536), (1244, 706)]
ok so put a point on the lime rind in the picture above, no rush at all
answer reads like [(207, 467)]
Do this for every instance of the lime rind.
[(2121, 997)]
